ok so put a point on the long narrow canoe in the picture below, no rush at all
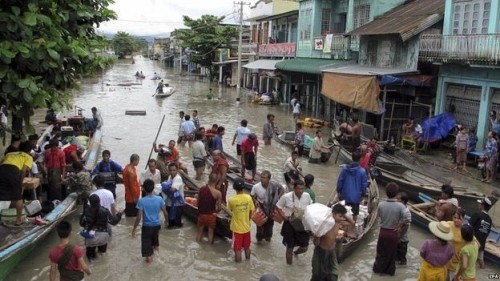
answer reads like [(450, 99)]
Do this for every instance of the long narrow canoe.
[(347, 245), (234, 171), (414, 182), (191, 211), (423, 213), (17, 242)]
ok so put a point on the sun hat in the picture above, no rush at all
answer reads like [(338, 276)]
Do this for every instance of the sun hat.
[(441, 230), (484, 201)]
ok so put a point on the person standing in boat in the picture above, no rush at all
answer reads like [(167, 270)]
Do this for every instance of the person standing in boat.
[(217, 142), (13, 169), (291, 207), (159, 88), (180, 133), (94, 123), (132, 187), (356, 129), (391, 214), (220, 168), (209, 201), (447, 206), (352, 184), (109, 168), (266, 194), (55, 169)]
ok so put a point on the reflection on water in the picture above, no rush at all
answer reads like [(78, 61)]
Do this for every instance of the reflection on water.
[(180, 257)]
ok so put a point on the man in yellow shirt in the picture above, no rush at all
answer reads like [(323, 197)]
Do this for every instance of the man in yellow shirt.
[(241, 206), (13, 169)]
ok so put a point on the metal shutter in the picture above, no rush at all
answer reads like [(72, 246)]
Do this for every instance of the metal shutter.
[(465, 100)]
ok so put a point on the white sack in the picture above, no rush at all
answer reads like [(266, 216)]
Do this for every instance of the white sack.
[(318, 219)]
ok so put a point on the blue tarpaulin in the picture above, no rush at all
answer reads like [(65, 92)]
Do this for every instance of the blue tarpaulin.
[(438, 127), (411, 80)]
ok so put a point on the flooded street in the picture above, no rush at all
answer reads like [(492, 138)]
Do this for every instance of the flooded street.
[(181, 257)]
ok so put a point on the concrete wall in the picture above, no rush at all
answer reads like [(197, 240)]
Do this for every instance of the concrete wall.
[(390, 52), (283, 6), (261, 9), (486, 78), (380, 7)]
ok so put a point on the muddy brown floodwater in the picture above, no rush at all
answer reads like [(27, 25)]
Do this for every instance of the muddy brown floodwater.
[(180, 257)]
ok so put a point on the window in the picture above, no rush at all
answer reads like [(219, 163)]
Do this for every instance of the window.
[(361, 12), (326, 17), (305, 24), (471, 16)]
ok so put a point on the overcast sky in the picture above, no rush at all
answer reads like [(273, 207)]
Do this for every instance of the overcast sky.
[(147, 17)]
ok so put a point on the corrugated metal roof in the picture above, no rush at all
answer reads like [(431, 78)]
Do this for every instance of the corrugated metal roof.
[(308, 65), (356, 69), (262, 64), (406, 20)]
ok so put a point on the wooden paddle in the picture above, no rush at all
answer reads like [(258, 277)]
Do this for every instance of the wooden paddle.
[(156, 138)]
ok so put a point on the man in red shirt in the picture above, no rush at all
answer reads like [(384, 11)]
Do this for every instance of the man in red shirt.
[(55, 169), (172, 156), (66, 257), (249, 147)]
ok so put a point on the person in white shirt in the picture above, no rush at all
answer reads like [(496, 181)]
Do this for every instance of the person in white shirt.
[(292, 168), (153, 174), (180, 133), (241, 133), (199, 156), (265, 194), (105, 196), (291, 207), (296, 110), (188, 129), (174, 196), (94, 123)]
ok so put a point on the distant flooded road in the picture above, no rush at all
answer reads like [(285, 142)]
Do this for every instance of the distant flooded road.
[(181, 257)]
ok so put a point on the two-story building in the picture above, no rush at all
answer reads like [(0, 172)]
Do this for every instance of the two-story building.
[(468, 55), (387, 84), (274, 30)]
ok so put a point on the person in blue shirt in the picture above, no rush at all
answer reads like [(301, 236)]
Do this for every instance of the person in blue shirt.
[(217, 143), (109, 169), (149, 208), (352, 183)]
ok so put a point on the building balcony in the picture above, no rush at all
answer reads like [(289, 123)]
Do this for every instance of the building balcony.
[(482, 49), (277, 50), (339, 47)]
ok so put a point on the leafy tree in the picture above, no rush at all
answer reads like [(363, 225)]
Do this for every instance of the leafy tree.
[(203, 36), (141, 45), (45, 47), (123, 44)]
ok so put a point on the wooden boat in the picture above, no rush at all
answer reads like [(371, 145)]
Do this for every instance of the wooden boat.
[(347, 245), (17, 242), (135, 112), (288, 138), (167, 92), (423, 213), (414, 182), (191, 211), (234, 171)]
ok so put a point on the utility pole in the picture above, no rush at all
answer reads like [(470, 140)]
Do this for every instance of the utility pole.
[(240, 39)]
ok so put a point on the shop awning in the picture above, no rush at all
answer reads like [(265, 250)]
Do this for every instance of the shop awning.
[(411, 80), (308, 65), (358, 86), (228, 61), (262, 64), (356, 91)]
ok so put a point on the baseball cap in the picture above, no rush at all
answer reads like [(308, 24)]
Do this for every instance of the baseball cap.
[(239, 184), (485, 201)]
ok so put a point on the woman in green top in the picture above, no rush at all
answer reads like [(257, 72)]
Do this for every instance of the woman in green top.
[(468, 256)]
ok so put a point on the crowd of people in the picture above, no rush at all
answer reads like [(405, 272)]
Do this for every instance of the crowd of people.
[(451, 254)]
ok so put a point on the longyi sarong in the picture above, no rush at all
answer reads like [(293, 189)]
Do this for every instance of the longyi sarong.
[(387, 245), (324, 265)]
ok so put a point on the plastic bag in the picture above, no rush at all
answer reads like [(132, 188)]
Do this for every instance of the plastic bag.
[(318, 219)]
